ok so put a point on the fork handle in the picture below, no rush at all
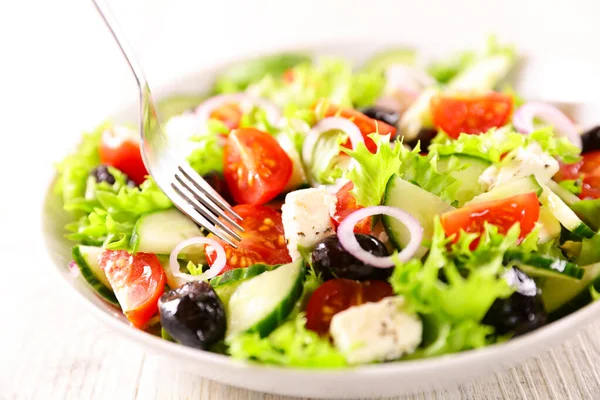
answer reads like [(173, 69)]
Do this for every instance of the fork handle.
[(119, 36)]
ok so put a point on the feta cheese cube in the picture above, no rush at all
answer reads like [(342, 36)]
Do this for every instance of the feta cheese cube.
[(519, 163), (376, 331), (306, 217)]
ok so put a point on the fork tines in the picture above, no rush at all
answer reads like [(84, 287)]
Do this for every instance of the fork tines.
[(211, 210)]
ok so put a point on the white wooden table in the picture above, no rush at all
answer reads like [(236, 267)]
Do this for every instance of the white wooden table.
[(61, 72)]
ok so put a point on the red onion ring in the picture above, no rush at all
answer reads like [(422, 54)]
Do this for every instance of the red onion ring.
[(523, 120), (213, 271), (204, 110), (329, 124), (348, 241), (74, 269)]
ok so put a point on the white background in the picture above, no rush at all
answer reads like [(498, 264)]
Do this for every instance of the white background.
[(60, 72)]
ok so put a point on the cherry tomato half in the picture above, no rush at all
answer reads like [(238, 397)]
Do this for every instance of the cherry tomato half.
[(120, 148), (522, 208), (346, 205), (338, 295), (262, 239), (366, 124), (138, 281), (230, 114), (587, 170), (470, 114), (256, 168)]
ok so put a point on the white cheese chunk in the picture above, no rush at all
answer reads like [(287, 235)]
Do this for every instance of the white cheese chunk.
[(306, 217), (519, 163), (376, 331)]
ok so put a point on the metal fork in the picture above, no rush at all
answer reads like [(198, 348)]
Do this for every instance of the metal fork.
[(185, 188)]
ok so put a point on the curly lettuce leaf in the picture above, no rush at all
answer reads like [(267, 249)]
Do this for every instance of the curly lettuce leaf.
[(111, 223), (574, 186), (423, 171), (330, 78), (74, 170), (496, 142), (455, 286), (373, 171), (207, 155), (290, 345)]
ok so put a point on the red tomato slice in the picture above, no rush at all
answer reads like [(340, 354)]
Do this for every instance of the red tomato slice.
[(138, 282), (262, 239), (587, 170), (338, 295), (120, 148), (473, 114), (230, 114), (504, 213), (346, 205), (366, 124), (256, 168)]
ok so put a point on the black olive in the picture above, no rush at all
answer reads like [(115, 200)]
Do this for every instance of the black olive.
[(382, 114), (332, 261), (520, 313), (217, 182), (424, 138), (193, 315), (591, 140), (102, 174)]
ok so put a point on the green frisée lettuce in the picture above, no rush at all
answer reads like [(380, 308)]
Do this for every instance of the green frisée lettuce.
[(494, 143), (207, 155), (329, 77), (74, 170), (289, 345), (454, 287), (111, 223), (373, 171)]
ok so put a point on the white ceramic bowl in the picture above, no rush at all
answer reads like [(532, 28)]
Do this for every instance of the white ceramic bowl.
[(364, 381)]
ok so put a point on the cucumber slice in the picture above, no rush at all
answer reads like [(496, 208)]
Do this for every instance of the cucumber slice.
[(566, 196), (564, 214), (382, 60), (263, 302), (549, 226), (508, 189), (421, 204), (86, 258), (298, 177), (543, 266), (468, 177), (161, 231), (483, 75), (562, 297), (227, 283)]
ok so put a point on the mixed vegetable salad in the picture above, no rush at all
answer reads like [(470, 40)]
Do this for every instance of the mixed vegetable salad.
[(392, 210)]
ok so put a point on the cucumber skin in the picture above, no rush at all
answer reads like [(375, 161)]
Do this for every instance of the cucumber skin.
[(106, 293), (227, 283), (240, 274), (544, 263), (280, 313)]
